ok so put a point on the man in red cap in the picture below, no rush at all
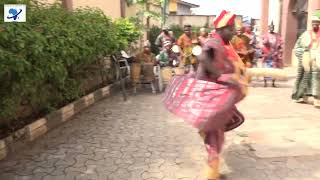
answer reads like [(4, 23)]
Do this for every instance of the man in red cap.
[(207, 98)]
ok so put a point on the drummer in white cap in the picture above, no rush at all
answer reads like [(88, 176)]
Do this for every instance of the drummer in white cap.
[(203, 36), (167, 57)]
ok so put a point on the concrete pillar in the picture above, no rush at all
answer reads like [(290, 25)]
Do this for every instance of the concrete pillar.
[(264, 16), (274, 14), (312, 6), (67, 4), (289, 30)]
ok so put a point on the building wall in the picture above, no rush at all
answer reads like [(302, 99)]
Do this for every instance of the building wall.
[(264, 16), (289, 32), (109, 7), (289, 27), (105, 5), (157, 9), (274, 14), (194, 20), (134, 9), (313, 5), (183, 10), (288, 23)]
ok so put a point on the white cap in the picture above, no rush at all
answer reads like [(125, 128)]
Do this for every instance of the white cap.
[(146, 44), (203, 30)]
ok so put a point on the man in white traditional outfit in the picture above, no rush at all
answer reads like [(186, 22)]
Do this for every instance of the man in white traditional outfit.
[(307, 50)]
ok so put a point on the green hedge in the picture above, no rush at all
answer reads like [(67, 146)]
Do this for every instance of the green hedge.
[(42, 61), (177, 30)]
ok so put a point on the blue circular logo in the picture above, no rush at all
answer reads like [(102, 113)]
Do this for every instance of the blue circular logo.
[(14, 13)]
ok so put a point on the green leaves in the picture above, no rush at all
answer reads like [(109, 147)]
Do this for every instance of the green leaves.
[(43, 60), (126, 32)]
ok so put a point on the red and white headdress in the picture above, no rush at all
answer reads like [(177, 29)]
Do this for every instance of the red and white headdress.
[(224, 19)]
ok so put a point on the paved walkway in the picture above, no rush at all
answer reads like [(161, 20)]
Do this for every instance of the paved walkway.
[(139, 139)]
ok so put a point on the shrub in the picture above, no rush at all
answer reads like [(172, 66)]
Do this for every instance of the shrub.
[(177, 30), (43, 61), (127, 32)]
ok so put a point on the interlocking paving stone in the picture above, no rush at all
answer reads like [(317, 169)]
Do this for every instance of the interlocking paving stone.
[(139, 139)]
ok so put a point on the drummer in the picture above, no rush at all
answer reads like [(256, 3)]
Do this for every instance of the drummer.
[(167, 57), (203, 36), (143, 65)]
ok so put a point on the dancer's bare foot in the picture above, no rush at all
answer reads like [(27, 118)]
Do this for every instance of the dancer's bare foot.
[(316, 103), (223, 177)]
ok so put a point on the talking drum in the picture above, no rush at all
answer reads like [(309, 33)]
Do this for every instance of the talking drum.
[(179, 70), (186, 60), (148, 72), (135, 72), (197, 50), (166, 74)]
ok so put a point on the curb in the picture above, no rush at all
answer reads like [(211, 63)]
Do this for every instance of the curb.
[(33, 131)]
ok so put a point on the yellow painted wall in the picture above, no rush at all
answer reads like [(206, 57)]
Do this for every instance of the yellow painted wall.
[(274, 14), (109, 7), (134, 9), (313, 6)]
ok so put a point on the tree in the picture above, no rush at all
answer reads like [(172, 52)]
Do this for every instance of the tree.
[(145, 14), (145, 11)]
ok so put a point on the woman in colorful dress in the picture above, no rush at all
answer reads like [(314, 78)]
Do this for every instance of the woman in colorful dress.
[(207, 98), (272, 52)]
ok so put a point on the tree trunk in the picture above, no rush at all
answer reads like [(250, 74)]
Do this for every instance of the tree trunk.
[(148, 21), (123, 8)]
